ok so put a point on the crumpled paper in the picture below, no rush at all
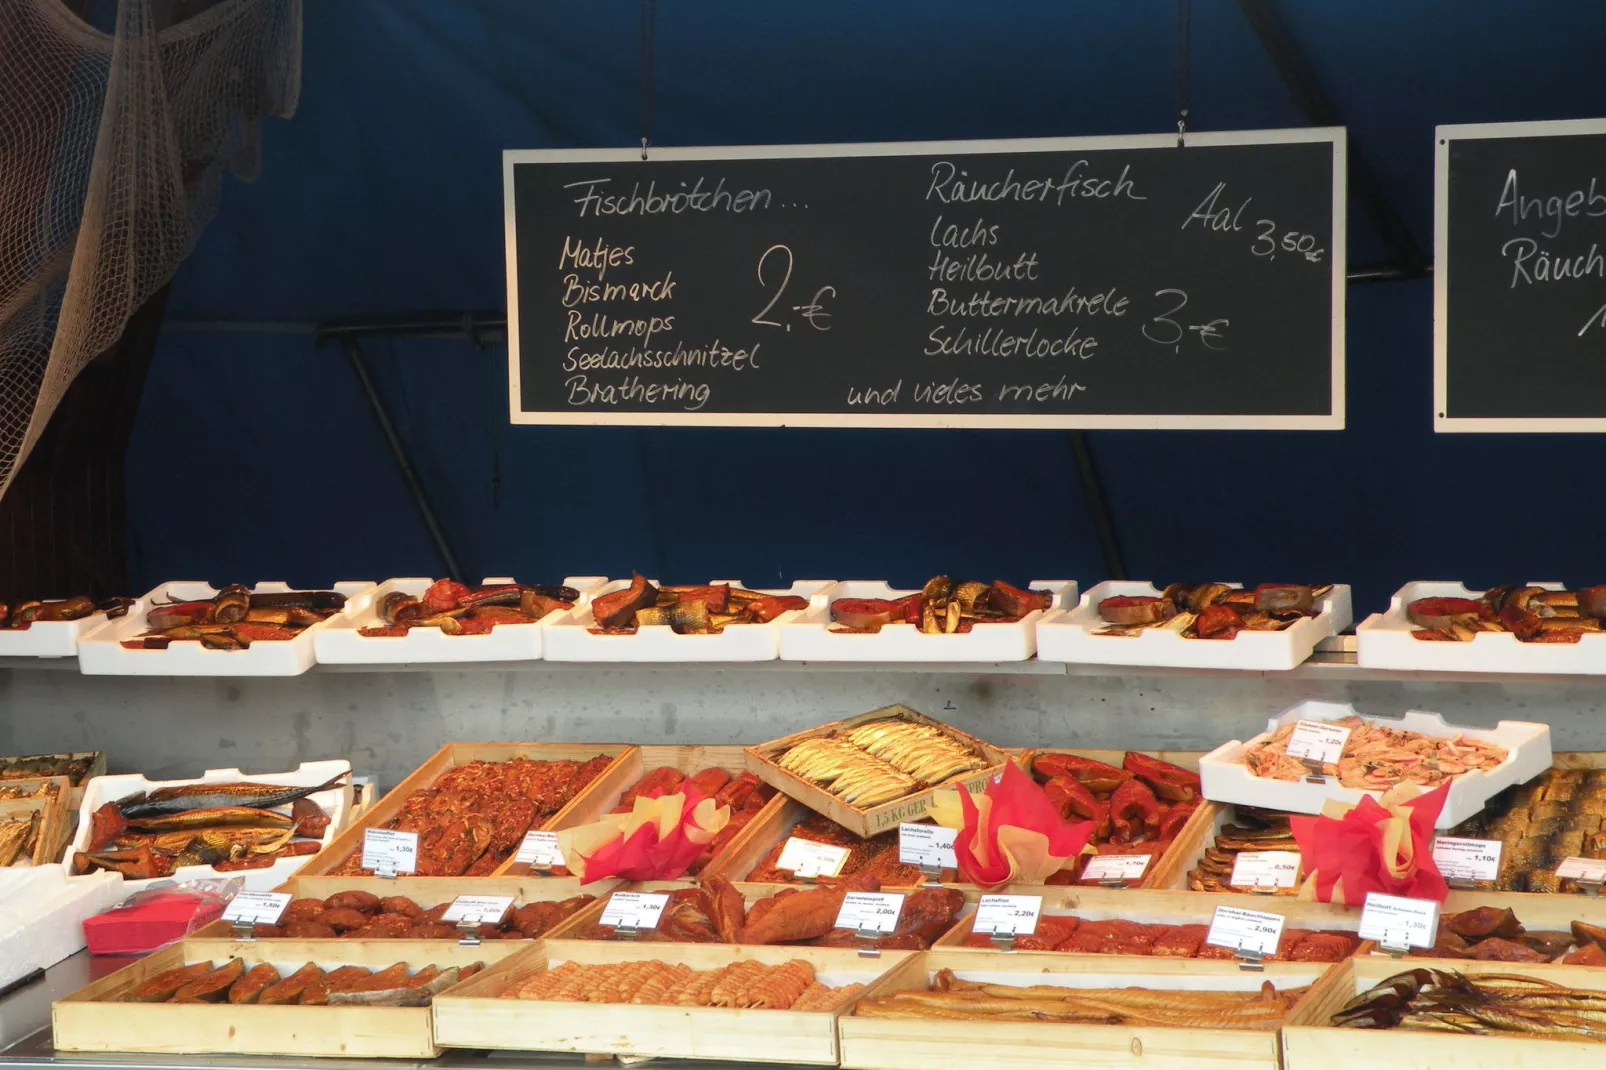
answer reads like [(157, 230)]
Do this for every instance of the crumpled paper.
[(658, 839), (1376, 845), (1010, 833)]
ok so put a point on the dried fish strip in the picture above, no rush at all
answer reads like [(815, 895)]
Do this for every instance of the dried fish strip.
[(1488, 1003)]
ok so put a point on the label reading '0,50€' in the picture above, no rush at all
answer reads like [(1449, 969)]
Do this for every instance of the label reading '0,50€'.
[(1265, 869), (809, 859)]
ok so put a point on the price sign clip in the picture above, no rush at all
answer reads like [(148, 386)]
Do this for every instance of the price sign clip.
[(1461, 884), (243, 930), (626, 932), (1263, 889), (1002, 941), (468, 934), (1591, 888), (1398, 945), (1313, 771), (868, 934), (932, 872), (1250, 959)]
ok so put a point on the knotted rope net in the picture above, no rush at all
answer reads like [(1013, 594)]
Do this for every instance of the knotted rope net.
[(112, 151)]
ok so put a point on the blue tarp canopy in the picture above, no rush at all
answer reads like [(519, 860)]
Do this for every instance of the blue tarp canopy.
[(256, 456)]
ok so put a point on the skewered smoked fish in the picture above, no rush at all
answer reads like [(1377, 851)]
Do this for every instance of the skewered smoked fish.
[(1213, 610), (688, 610), (235, 618), (459, 609), (746, 984), (941, 607)]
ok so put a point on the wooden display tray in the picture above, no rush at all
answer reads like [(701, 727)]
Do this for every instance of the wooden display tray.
[(451, 755), (1309, 1043), (432, 891), (93, 1019), (472, 1015), (1162, 907), (604, 793), (867, 821), (97, 767), (934, 1044), (53, 811)]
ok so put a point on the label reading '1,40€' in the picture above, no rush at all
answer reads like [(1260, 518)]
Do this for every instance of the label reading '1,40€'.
[(927, 845)]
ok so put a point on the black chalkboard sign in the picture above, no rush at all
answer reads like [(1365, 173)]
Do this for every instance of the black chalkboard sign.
[(1520, 277), (1099, 282)]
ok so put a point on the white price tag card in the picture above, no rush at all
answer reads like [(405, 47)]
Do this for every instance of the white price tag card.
[(390, 850), (1467, 860), (1012, 915), (1115, 867), (870, 912), (1318, 741), (809, 859), (634, 910), (540, 849), (1395, 921), (1265, 869), (927, 845), (1245, 930), (1582, 869), (256, 908), (478, 909)]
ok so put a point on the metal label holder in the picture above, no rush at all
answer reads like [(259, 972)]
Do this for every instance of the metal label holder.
[(243, 930), (1002, 941), (1591, 888), (932, 872), (468, 933), (868, 934), (1397, 946), (1313, 771), (627, 932), (1250, 959), (1263, 889), (387, 870), (1112, 882), (1461, 884)]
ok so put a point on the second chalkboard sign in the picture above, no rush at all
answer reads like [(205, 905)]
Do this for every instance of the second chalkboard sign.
[(1069, 283)]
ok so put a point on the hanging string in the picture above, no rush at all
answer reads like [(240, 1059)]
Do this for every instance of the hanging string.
[(1184, 53), (649, 42)]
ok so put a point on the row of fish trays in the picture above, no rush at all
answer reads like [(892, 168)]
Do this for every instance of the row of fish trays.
[(1226, 778), (79, 767), (46, 816), (1389, 640), (335, 799), (1080, 634)]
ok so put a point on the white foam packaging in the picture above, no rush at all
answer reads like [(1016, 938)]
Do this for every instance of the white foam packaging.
[(101, 653), (570, 638), (42, 912), (1384, 641), (1224, 778), (810, 636), (1070, 635), (48, 638), (336, 802), (337, 642)]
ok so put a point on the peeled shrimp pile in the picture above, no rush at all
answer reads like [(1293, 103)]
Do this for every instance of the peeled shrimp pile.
[(1378, 757)]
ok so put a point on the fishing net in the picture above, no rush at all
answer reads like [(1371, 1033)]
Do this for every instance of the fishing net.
[(112, 150)]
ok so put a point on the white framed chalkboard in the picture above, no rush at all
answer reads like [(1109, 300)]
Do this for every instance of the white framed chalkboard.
[(1119, 282), (1519, 286)]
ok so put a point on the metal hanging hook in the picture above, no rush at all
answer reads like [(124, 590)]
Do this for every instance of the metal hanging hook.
[(649, 48), (1184, 58)]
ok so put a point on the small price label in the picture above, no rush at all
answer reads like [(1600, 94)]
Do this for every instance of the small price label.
[(390, 851), (927, 845), (634, 910), (1265, 869), (1318, 741), (867, 912), (1467, 860), (256, 908), (1245, 930), (1011, 915), (1582, 869), (478, 909), (1115, 867), (1395, 921), (540, 849), (809, 859)]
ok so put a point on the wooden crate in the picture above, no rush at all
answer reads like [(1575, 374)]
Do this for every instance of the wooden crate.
[(448, 757), (93, 1019), (1157, 907), (604, 793), (934, 1044), (1309, 1043), (53, 808), (867, 821), (97, 767), (472, 1015)]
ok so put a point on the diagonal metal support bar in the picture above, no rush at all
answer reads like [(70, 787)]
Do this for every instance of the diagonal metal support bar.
[(1267, 24), (1098, 511)]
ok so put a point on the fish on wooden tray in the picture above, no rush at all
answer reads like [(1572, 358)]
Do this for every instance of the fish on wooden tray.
[(1448, 1001), (394, 986)]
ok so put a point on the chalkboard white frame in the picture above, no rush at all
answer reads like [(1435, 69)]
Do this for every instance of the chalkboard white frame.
[(1442, 136), (1333, 420)]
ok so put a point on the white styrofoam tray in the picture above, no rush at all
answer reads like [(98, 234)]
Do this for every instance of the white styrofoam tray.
[(48, 638), (1527, 744), (101, 653), (570, 638), (1384, 641), (336, 802), (1068, 635), (337, 642), (42, 912), (810, 635)]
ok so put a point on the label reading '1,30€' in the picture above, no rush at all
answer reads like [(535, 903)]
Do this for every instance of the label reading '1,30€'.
[(390, 851)]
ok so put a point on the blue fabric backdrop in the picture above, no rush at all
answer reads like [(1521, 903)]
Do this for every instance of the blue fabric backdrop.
[(255, 456)]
